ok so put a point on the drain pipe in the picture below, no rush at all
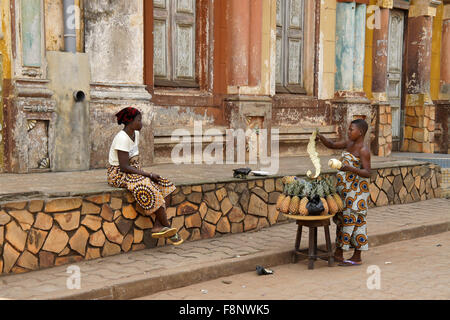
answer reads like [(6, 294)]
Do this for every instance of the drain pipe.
[(70, 36)]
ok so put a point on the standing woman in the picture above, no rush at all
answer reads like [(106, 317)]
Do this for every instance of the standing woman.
[(150, 190)]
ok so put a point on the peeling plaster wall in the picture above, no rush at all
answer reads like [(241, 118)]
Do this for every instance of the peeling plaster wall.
[(114, 40)]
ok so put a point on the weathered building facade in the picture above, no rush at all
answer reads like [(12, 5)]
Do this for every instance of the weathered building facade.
[(240, 64)]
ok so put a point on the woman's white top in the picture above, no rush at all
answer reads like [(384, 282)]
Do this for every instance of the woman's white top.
[(123, 142)]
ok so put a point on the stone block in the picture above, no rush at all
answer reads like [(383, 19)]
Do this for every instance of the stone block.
[(35, 205), (186, 190), (107, 213), (127, 243), (402, 194), (16, 236), (211, 200), (138, 235), (129, 197), (415, 146), (68, 221), (56, 240), (382, 199), (79, 241), (92, 253), (46, 259), (94, 223), (195, 235), (35, 240), (250, 222), (89, 208), (261, 193), (226, 206), (245, 198), (259, 183), (279, 185), (129, 212), (10, 256), (418, 134), (193, 221), (208, 230), (4, 218), (171, 212), (236, 215), (43, 221), (257, 206), (177, 199), (112, 233), (2, 238), (15, 205), (262, 223), (110, 249), (223, 226), (221, 193), (213, 216), (273, 214), (237, 227), (269, 185), (195, 197), (178, 222), (123, 225), (100, 198), (398, 183), (64, 204), (196, 188), (203, 209), (374, 191), (186, 208), (25, 218), (409, 182), (208, 187), (116, 203), (97, 239)]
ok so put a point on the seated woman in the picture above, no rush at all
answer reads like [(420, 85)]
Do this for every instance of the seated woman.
[(150, 190)]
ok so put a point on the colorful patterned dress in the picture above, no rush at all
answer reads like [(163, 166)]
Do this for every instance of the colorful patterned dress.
[(148, 194), (351, 223)]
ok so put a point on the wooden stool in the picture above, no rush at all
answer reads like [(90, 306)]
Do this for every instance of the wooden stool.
[(313, 222)]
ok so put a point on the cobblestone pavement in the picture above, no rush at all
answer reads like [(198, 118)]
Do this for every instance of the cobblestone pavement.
[(412, 269), (139, 273)]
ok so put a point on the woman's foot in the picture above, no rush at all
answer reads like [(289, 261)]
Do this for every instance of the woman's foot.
[(338, 255), (164, 232), (176, 240)]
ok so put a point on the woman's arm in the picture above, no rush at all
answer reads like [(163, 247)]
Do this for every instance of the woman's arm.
[(365, 165), (125, 166), (330, 144)]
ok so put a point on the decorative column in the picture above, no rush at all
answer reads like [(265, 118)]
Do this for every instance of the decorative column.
[(442, 143), (419, 108), (382, 145)]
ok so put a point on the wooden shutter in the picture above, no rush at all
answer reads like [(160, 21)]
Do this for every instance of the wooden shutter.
[(289, 57), (174, 43)]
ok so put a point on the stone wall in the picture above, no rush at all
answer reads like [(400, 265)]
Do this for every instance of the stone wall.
[(42, 233)]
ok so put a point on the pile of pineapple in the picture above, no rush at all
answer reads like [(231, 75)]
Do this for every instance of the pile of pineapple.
[(298, 192)]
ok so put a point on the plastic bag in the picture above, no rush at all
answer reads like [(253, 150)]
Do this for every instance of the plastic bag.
[(315, 206)]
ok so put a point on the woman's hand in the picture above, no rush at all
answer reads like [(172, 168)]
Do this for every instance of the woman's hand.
[(155, 177)]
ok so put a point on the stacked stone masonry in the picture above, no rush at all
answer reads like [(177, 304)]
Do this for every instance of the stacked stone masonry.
[(419, 129), (36, 234), (384, 131)]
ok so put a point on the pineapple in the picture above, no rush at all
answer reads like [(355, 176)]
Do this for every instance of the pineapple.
[(281, 197), (332, 205), (296, 189), (304, 201), (321, 193), (336, 196), (288, 179), (286, 202)]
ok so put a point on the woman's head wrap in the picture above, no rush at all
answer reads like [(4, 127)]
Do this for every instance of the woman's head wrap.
[(127, 115)]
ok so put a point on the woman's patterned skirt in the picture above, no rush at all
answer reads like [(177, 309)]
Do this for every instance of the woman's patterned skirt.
[(148, 193)]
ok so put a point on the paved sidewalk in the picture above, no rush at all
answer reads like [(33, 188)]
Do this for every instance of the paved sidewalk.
[(141, 273)]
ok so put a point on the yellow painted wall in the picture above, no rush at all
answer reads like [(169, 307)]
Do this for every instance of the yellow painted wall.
[(436, 53), (327, 47), (5, 54), (368, 56)]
